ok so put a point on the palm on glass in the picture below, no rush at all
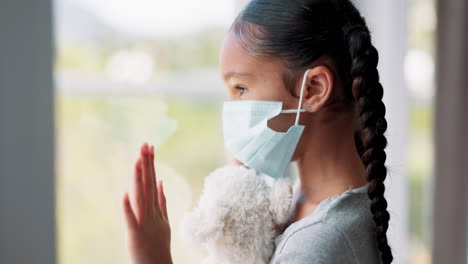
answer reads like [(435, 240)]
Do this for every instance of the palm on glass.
[(148, 229)]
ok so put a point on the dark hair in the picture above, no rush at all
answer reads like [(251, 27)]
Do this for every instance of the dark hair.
[(298, 32)]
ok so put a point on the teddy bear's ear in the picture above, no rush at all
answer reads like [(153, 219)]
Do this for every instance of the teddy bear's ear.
[(280, 199), (202, 226)]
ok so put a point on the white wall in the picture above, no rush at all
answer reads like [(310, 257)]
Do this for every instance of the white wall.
[(387, 22)]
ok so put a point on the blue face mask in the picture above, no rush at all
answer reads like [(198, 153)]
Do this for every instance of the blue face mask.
[(248, 137)]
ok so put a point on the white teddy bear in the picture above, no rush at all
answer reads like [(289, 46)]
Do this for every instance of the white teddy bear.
[(239, 214)]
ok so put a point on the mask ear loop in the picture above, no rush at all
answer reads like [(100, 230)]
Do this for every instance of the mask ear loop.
[(300, 97)]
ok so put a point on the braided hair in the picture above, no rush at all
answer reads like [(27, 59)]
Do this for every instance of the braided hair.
[(299, 32)]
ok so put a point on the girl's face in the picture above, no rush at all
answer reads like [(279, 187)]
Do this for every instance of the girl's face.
[(250, 78), (257, 78)]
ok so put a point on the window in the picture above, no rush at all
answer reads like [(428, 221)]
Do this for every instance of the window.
[(147, 70), (128, 72)]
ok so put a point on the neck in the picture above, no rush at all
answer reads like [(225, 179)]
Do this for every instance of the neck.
[(329, 164)]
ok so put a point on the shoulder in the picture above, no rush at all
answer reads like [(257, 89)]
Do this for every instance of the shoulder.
[(340, 230), (320, 242)]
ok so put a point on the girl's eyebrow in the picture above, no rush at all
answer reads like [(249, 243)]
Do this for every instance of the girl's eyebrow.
[(244, 75)]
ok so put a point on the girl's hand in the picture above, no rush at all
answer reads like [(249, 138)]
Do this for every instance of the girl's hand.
[(149, 233)]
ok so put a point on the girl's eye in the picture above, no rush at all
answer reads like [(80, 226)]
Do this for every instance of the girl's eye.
[(242, 89)]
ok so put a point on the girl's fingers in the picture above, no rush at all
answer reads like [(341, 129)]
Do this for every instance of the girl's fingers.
[(138, 190), (146, 176), (153, 179), (129, 214), (162, 199)]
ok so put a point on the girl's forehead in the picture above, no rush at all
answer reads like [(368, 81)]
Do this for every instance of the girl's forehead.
[(232, 54), (235, 61)]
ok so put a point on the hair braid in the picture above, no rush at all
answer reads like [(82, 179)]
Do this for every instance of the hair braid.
[(368, 93)]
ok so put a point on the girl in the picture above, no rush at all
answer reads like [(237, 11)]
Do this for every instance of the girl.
[(315, 56)]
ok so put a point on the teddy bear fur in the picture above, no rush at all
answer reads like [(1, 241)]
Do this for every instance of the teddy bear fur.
[(239, 214)]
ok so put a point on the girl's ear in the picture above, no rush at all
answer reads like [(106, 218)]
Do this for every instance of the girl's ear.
[(318, 88)]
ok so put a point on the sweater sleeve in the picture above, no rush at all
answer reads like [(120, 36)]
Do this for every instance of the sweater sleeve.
[(318, 243)]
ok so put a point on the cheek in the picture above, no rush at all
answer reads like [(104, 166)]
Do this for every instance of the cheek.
[(276, 92), (282, 122)]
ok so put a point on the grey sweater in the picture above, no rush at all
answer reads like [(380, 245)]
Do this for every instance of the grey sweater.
[(340, 230)]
